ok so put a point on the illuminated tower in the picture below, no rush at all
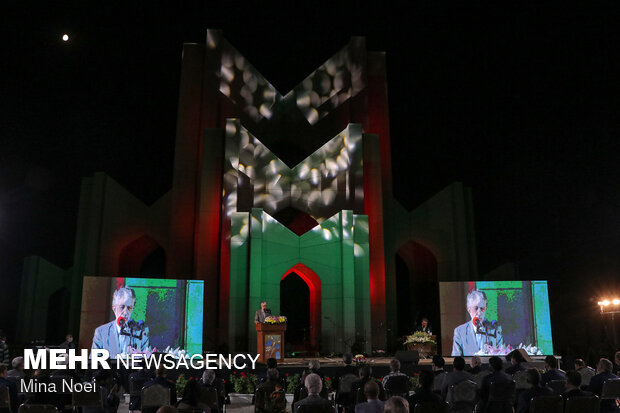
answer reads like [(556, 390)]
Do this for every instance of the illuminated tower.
[(267, 185)]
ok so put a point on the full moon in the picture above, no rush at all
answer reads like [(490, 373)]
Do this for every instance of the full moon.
[(65, 37)]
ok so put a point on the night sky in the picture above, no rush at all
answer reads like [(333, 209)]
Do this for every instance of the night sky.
[(522, 104)]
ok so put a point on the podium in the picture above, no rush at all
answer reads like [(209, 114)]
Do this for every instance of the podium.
[(425, 350), (270, 341)]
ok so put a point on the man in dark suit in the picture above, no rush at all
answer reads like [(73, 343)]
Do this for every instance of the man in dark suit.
[(573, 383), (603, 368), (372, 404), (265, 389), (365, 374), (259, 316), (458, 375), (160, 378), (424, 327), (516, 359), (496, 376), (346, 376), (552, 371), (533, 377), (11, 386), (141, 376), (476, 365), (424, 393), (314, 402)]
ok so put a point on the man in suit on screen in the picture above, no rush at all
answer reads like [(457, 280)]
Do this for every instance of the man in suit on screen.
[(122, 335), (471, 337)]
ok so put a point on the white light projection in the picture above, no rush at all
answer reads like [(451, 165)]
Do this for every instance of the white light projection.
[(334, 82), (328, 181)]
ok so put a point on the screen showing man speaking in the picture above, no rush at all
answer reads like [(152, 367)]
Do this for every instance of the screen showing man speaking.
[(495, 317), (142, 315)]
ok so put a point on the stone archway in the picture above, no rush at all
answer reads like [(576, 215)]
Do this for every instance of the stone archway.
[(141, 254), (313, 282), (417, 287)]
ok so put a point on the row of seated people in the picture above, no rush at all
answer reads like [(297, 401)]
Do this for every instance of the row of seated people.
[(207, 394), (516, 387), (438, 385)]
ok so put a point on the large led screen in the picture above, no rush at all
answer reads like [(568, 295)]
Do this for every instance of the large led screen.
[(495, 317), (142, 315)]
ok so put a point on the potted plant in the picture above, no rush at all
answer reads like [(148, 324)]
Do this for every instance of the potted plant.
[(244, 386)]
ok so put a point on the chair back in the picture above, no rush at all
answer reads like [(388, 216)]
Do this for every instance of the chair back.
[(431, 407), (345, 383), (439, 381), (136, 384), (15, 379), (547, 404), (611, 389), (360, 397), (208, 398), (586, 375), (5, 398), (59, 381), (479, 376), (37, 408), (520, 379), (464, 392), (586, 404), (305, 408), (558, 386), (502, 391), (397, 386), (88, 398), (155, 396)]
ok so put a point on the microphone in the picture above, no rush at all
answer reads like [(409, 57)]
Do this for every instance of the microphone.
[(121, 321), (476, 321), (140, 325), (132, 325)]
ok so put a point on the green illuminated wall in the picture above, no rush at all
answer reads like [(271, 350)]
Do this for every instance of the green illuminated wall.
[(263, 250)]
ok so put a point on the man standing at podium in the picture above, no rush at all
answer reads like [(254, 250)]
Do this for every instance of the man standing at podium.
[(260, 315)]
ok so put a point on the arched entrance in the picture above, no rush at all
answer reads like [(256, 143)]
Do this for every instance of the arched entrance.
[(417, 288), (142, 257), (304, 314)]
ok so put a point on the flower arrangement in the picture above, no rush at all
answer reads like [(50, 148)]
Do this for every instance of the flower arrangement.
[(489, 350), (275, 319), (419, 337), (359, 359), (243, 383), (414, 381)]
